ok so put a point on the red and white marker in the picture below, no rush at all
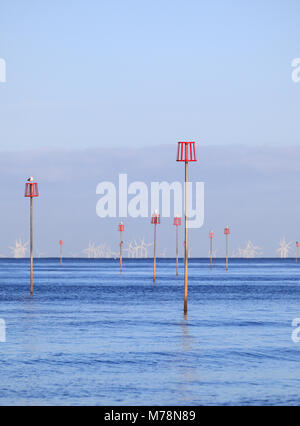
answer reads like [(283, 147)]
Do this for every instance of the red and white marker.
[(186, 154), (227, 233), (31, 191)]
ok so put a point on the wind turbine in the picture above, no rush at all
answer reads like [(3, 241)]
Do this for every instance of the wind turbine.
[(19, 250), (284, 248)]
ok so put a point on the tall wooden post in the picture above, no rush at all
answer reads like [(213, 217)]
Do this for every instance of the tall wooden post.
[(31, 243), (121, 253), (186, 241), (186, 153), (154, 262), (31, 191), (177, 251)]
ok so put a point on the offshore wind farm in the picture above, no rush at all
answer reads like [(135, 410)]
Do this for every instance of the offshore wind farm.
[(140, 249)]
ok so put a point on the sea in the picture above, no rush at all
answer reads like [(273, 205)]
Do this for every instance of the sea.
[(91, 336)]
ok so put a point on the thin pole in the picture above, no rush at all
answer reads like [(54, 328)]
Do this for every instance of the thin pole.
[(176, 250), (31, 243), (61, 254), (226, 252), (186, 240), (297, 254), (154, 265), (211, 265), (121, 244)]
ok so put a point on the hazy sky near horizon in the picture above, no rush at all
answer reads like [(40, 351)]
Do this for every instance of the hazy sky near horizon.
[(130, 73), (101, 87), (253, 189)]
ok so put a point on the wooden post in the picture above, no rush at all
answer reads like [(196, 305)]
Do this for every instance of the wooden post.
[(154, 264), (121, 253), (61, 254), (226, 252), (211, 254), (186, 153), (31, 191), (186, 239), (31, 244), (177, 251)]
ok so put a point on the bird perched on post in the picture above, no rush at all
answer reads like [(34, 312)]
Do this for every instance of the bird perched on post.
[(30, 179)]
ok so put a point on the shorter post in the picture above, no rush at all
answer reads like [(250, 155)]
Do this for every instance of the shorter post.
[(297, 251), (177, 223), (121, 229), (61, 243), (227, 233), (155, 221), (211, 237)]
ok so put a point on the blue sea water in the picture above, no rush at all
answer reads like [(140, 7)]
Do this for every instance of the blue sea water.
[(89, 336)]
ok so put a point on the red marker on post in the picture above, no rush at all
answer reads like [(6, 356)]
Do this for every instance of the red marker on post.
[(31, 191), (121, 229), (186, 154), (227, 233), (61, 243)]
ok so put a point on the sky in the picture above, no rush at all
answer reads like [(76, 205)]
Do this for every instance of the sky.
[(96, 88), (137, 73)]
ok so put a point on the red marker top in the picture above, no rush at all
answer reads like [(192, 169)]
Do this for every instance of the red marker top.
[(155, 220), (227, 230), (177, 221), (31, 189), (186, 152)]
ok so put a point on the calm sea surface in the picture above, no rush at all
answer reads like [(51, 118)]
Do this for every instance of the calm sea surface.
[(92, 337)]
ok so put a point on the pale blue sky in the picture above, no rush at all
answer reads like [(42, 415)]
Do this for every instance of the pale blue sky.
[(100, 73)]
